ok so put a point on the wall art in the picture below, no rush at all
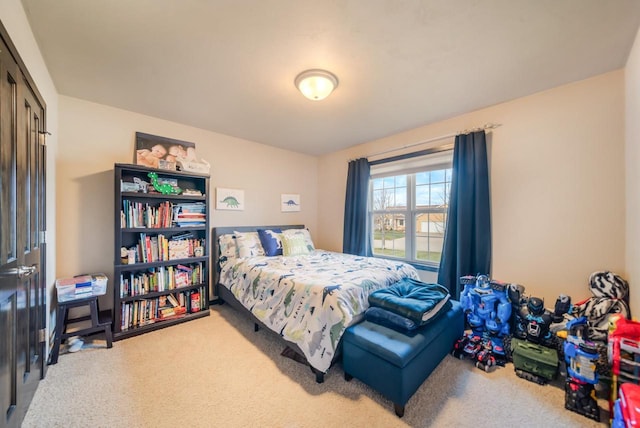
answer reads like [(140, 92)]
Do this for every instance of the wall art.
[(229, 199), (162, 152), (289, 202)]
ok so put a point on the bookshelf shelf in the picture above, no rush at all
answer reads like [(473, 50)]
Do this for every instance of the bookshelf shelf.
[(153, 294), (135, 331), (143, 266), (161, 252), (140, 195), (159, 229)]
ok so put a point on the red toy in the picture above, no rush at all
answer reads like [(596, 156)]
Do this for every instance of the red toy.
[(467, 346), (624, 356), (630, 404), (485, 358)]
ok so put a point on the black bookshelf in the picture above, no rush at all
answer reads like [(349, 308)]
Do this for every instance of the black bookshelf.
[(166, 261)]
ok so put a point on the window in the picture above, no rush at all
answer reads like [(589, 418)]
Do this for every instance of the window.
[(408, 204)]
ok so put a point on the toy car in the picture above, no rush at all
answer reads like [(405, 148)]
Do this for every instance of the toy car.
[(459, 346), (485, 359), (467, 346)]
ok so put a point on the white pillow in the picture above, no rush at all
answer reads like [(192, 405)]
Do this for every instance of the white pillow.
[(249, 244), (228, 246)]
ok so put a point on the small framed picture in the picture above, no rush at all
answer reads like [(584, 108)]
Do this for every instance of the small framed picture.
[(162, 152), (229, 199), (289, 202)]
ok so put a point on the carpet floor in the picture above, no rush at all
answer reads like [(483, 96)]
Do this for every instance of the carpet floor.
[(217, 372)]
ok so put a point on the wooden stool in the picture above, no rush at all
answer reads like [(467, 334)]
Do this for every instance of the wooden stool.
[(100, 322)]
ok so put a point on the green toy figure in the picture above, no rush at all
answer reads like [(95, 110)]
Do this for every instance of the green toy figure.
[(164, 188)]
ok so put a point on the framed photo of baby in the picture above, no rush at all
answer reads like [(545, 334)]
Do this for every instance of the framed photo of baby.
[(161, 152)]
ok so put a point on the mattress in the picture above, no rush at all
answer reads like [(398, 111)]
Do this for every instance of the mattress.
[(311, 299)]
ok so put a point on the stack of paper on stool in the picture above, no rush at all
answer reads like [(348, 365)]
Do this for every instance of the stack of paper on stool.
[(74, 288)]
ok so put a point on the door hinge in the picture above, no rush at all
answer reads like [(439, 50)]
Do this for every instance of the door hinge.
[(43, 236), (42, 335)]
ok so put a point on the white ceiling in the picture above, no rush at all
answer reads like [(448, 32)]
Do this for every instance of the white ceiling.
[(228, 65)]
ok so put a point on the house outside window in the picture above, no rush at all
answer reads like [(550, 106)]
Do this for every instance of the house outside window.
[(408, 204)]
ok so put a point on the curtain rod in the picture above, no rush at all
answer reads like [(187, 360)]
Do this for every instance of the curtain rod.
[(431, 140)]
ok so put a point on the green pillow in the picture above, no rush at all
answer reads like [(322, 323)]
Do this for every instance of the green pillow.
[(294, 245)]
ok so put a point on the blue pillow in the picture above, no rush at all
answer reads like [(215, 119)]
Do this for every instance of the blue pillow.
[(271, 241)]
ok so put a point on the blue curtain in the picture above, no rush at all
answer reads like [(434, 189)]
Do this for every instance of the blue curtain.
[(467, 241), (356, 239)]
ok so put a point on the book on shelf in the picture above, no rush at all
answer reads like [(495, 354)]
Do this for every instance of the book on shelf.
[(163, 302), (182, 235), (189, 208), (124, 317), (171, 308), (173, 301), (137, 214), (161, 278), (182, 279), (190, 214), (179, 249), (154, 248), (148, 311), (167, 313)]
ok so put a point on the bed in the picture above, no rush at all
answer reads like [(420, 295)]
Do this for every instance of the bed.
[(307, 298)]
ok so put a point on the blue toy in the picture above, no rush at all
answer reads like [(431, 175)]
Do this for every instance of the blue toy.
[(581, 356), (486, 304), (487, 313), (618, 420)]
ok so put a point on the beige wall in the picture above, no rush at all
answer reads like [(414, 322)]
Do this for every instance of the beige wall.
[(93, 137), (15, 21), (557, 184), (632, 157)]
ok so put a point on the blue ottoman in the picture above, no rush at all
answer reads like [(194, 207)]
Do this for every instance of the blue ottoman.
[(395, 364)]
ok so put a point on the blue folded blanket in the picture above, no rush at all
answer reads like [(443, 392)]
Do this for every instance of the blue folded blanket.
[(415, 300), (397, 322), (390, 319)]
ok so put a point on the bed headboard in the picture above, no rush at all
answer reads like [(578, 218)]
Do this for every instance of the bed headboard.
[(216, 232)]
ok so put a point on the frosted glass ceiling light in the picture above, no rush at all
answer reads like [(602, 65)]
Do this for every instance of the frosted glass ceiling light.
[(316, 84)]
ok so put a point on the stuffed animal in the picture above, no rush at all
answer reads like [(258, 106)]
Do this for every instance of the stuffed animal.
[(610, 296)]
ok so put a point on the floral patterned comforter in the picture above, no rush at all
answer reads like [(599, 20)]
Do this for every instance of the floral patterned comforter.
[(310, 300)]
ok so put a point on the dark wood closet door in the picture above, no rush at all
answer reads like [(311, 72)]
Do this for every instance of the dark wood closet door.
[(31, 339), (22, 297)]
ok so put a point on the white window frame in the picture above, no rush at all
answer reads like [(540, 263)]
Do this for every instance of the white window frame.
[(440, 159)]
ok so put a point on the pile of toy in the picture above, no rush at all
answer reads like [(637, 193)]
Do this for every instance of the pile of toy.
[(488, 311), (504, 325)]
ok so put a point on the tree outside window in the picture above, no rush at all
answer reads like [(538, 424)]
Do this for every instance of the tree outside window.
[(421, 196)]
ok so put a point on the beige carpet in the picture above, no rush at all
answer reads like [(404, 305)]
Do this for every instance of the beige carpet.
[(217, 372)]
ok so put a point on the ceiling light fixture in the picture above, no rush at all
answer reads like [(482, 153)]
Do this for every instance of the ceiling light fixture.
[(316, 84)]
